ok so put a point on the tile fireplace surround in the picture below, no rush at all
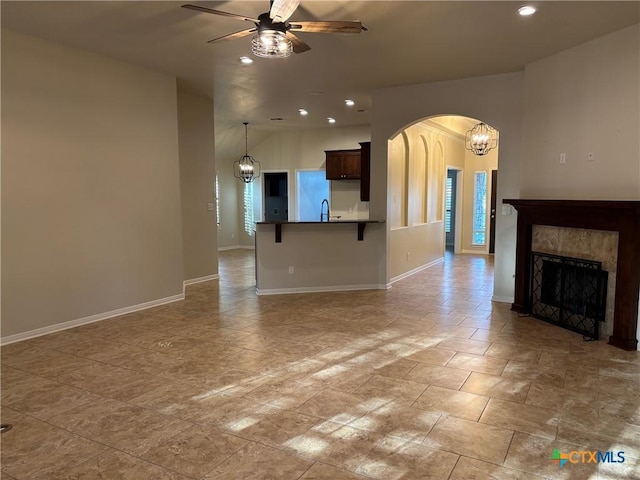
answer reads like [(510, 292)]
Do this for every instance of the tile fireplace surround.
[(622, 217)]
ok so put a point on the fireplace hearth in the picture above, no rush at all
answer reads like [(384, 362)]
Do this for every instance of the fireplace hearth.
[(622, 217)]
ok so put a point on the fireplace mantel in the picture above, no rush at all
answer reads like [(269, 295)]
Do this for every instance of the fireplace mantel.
[(611, 215)]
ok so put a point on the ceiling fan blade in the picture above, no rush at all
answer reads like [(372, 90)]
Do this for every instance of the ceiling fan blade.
[(281, 10), (198, 8), (231, 36), (298, 45), (328, 27)]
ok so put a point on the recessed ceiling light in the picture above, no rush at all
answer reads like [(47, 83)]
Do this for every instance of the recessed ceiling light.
[(526, 10), (302, 111), (246, 60), (349, 103), (331, 120)]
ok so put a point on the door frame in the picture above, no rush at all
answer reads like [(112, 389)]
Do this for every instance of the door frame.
[(290, 203), (457, 227), (493, 211)]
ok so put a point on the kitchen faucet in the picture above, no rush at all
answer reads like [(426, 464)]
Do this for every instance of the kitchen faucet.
[(322, 214)]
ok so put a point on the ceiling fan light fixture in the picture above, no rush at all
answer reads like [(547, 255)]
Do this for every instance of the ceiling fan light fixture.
[(271, 44), (276, 37)]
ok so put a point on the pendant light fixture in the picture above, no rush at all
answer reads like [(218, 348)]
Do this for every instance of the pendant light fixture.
[(246, 168), (481, 139)]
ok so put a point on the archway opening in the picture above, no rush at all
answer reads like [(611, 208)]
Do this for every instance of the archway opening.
[(440, 193)]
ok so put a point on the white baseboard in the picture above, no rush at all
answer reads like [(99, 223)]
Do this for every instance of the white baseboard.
[(416, 270), (499, 299), (18, 337), (328, 288), (475, 252), (237, 247), (192, 281)]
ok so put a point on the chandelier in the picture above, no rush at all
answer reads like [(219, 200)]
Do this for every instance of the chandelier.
[(481, 139), (246, 168)]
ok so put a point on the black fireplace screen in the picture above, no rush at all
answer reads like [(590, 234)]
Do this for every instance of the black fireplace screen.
[(568, 292)]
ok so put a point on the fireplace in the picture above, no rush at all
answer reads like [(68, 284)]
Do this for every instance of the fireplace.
[(622, 217), (569, 292)]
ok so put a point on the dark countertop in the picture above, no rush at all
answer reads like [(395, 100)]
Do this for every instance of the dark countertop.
[(319, 222)]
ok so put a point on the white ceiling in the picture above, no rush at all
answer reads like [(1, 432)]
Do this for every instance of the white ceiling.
[(407, 42)]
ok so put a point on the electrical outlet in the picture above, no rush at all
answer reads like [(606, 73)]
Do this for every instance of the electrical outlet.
[(291, 270)]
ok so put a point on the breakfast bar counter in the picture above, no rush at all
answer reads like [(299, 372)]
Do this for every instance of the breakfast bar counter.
[(319, 256), (361, 226)]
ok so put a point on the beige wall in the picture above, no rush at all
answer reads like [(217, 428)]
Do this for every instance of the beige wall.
[(345, 200), (497, 100), (197, 185), (91, 216), (584, 100), (229, 186)]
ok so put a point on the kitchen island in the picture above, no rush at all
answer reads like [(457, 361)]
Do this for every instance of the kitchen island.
[(319, 256)]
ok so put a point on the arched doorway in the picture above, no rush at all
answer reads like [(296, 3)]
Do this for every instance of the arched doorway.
[(437, 187)]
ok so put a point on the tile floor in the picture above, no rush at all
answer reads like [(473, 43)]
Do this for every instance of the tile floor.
[(426, 380)]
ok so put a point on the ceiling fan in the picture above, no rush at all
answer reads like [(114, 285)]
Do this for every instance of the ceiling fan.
[(275, 37)]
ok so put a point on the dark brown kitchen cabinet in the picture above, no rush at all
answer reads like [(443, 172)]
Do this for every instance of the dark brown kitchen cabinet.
[(351, 165), (343, 164)]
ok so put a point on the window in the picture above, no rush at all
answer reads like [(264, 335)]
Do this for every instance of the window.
[(313, 187), (479, 208), (217, 200), (248, 208)]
